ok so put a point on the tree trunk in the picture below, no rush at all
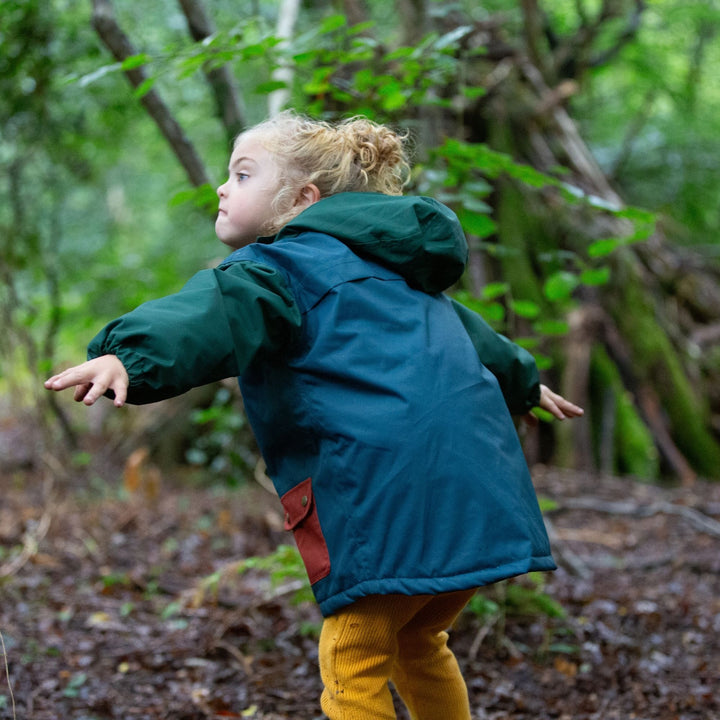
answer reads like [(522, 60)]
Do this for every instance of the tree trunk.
[(228, 102), (524, 115), (112, 35)]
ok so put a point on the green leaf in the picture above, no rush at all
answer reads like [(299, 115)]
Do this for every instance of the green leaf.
[(525, 308), (637, 215), (482, 606), (478, 187), (596, 276), (400, 53), (643, 232), (601, 248), (543, 362), (265, 88), (529, 343), (555, 328), (477, 224), (560, 285), (361, 27), (472, 93), (565, 648), (144, 87), (541, 414), (451, 38), (203, 197), (547, 504), (493, 312), (476, 205), (304, 57), (135, 61), (74, 684), (329, 24), (494, 290), (529, 176)]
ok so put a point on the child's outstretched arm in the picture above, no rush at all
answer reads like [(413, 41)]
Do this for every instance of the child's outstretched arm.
[(92, 379), (213, 328), (515, 370)]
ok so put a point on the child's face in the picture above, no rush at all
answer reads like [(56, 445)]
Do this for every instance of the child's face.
[(246, 197)]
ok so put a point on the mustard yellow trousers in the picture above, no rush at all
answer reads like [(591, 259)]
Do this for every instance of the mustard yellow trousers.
[(398, 638)]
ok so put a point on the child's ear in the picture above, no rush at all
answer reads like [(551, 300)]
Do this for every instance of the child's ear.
[(308, 195)]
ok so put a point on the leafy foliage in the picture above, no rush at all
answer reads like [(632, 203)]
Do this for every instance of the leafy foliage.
[(113, 222)]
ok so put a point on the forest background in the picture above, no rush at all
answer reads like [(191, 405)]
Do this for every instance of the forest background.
[(576, 139)]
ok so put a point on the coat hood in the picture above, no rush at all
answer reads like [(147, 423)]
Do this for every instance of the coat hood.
[(417, 237)]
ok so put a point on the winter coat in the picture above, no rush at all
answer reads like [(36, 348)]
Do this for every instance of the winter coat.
[(381, 407)]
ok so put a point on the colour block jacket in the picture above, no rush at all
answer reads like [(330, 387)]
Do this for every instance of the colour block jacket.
[(381, 407)]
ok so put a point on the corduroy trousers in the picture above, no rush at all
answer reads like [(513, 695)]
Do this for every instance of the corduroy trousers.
[(397, 638)]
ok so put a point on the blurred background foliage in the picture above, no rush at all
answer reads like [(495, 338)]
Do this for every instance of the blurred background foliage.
[(576, 139)]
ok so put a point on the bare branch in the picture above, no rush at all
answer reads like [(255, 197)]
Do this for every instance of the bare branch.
[(356, 11), (287, 17), (634, 128), (600, 325), (533, 24), (699, 521), (228, 103), (414, 18), (628, 33), (578, 154), (574, 55), (112, 35)]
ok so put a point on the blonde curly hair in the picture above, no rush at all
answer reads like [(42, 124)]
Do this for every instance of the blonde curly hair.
[(354, 155)]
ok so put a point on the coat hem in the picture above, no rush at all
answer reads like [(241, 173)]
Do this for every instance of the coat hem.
[(432, 585)]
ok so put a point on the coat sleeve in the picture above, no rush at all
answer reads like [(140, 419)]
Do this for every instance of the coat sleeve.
[(213, 328), (513, 366)]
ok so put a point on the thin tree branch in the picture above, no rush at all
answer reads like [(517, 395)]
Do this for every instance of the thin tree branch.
[(573, 56), (645, 396), (628, 34), (633, 131), (112, 35), (699, 521), (228, 103), (287, 17), (533, 24), (704, 33), (414, 18), (356, 11), (572, 143)]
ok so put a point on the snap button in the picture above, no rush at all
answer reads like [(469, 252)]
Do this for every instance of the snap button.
[(304, 500)]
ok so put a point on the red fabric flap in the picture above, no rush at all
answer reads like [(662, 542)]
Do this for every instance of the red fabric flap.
[(297, 504)]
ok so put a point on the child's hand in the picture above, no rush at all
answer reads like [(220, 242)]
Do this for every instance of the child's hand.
[(92, 379), (556, 405)]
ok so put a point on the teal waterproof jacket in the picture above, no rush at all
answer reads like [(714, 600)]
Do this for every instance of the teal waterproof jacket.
[(382, 408)]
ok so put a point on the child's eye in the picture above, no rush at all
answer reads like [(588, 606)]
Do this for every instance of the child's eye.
[(242, 176)]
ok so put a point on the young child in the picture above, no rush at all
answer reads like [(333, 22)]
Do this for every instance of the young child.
[(382, 408)]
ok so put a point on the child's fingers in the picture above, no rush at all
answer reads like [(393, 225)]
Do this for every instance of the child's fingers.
[(88, 383), (92, 379), (572, 410), (557, 405), (81, 391), (120, 390), (566, 407), (54, 383), (60, 382)]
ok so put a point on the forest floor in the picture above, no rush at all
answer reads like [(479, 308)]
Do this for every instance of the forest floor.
[(117, 605)]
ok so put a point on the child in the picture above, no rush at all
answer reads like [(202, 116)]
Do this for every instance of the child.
[(382, 408)]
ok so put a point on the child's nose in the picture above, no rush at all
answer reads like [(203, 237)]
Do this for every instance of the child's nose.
[(221, 190)]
